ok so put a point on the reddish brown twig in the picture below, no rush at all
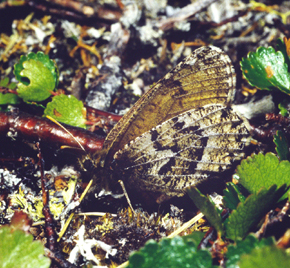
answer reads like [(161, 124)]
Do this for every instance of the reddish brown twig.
[(68, 8), (103, 119), (271, 220), (52, 246), (274, 122), (184, 13), (59, 259), (278, 118), (264, 133), (5, 90), (49, 222), (76, 9), (34, 128), (207, 237)]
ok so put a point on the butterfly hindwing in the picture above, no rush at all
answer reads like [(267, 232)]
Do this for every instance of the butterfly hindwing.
[(184, 150)]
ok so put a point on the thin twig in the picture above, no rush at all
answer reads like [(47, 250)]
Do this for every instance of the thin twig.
[(127, 197)]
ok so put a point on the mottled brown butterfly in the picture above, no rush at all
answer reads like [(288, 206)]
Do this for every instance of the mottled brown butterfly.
[(182, 131)]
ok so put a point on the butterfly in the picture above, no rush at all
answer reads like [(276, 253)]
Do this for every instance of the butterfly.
[(183, 131)]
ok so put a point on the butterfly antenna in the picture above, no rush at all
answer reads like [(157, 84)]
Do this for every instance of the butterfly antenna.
[(60, 125)]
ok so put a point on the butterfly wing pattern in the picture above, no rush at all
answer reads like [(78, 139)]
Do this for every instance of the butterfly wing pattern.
[(204, 77), (183, 130), (185, 150)]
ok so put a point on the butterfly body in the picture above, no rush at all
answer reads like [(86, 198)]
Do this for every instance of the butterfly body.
[(182, 131)]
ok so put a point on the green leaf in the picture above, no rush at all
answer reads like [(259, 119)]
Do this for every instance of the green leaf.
[(283, 109), (170, 253), (9, 98), (266, 69), (37, 76), (18, 249), (261, 170), (282, 47), (233, 196), (269, 256), (5, 83), (207, 207), (245, 246), (248, 214), (66, 109), (195, 236), (282, 147)]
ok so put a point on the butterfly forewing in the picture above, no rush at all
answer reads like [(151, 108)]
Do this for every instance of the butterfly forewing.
[(204, 77), (184, 150)]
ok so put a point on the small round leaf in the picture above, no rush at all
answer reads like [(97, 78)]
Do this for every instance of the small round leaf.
[(66, 109), (37, 76)]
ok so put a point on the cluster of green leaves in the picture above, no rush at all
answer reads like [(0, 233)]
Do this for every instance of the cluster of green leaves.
[(175, 252), (264, 178), (248, 201), (183, 252), (263, 181), (38, 78)]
